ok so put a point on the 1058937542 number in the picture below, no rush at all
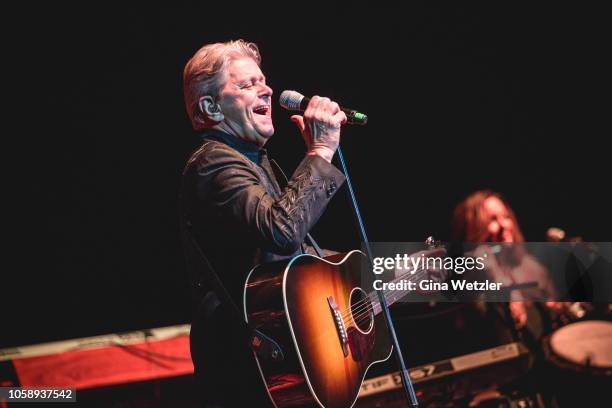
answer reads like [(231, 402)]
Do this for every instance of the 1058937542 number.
[(37, 394)]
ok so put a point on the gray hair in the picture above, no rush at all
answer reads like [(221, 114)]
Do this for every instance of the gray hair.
[(203, 74)]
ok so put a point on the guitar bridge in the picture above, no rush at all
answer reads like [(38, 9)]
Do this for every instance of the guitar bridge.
[(340, 327)]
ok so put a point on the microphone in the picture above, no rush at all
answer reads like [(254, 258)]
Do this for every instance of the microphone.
[(295, 101)]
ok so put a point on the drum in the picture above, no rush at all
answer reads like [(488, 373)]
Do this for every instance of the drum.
[(579, 358)]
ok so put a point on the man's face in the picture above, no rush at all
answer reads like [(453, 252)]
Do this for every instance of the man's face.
[(245, 102), (500, 225)]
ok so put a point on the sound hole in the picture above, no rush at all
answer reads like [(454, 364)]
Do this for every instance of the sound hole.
[(361, 310)]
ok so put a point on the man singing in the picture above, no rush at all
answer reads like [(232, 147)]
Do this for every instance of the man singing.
[(234, 211)]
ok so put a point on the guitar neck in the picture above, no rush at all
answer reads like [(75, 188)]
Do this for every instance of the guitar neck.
[(392, 296)]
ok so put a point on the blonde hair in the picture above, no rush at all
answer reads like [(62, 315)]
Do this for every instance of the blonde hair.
[(203, 73)]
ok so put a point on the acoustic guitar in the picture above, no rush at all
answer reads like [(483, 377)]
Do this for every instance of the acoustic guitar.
[(325, 317)]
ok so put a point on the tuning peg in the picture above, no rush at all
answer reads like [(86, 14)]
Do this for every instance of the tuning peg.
[(431, 242)]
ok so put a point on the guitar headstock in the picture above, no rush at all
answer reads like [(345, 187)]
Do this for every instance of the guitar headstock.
[(432, 243)]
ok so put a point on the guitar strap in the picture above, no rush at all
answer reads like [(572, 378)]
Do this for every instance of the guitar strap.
[(262, 345)]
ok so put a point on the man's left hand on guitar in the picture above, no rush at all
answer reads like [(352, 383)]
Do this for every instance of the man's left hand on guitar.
[(434, 274)]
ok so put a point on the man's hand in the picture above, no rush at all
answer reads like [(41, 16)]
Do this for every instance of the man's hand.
[(518, 311), (320, 127), (434, 274)]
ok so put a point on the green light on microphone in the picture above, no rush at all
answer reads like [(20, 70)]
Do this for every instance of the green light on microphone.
[(360, 118)]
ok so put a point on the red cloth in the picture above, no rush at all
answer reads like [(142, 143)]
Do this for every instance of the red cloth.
[(107, 365)]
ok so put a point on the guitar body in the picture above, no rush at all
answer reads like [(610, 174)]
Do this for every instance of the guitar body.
[(319, 313)]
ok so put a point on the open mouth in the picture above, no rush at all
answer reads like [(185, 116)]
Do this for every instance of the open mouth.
[(262, 110)]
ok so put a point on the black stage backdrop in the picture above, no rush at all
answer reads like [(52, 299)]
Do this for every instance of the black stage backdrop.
[(460, 97)]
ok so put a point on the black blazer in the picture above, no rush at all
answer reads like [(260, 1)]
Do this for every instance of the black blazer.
[(239, 215)]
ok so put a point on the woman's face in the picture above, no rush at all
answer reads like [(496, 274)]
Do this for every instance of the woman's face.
[(498, 221)]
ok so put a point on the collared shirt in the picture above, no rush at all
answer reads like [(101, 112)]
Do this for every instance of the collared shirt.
[(250, 150)]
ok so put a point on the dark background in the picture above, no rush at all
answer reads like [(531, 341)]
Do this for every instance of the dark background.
[(460, 97)]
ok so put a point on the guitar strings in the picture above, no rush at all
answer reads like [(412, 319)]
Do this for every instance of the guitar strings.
[(362, 309), (360, 304), (366, 311), (358, 316), (357, 309)]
